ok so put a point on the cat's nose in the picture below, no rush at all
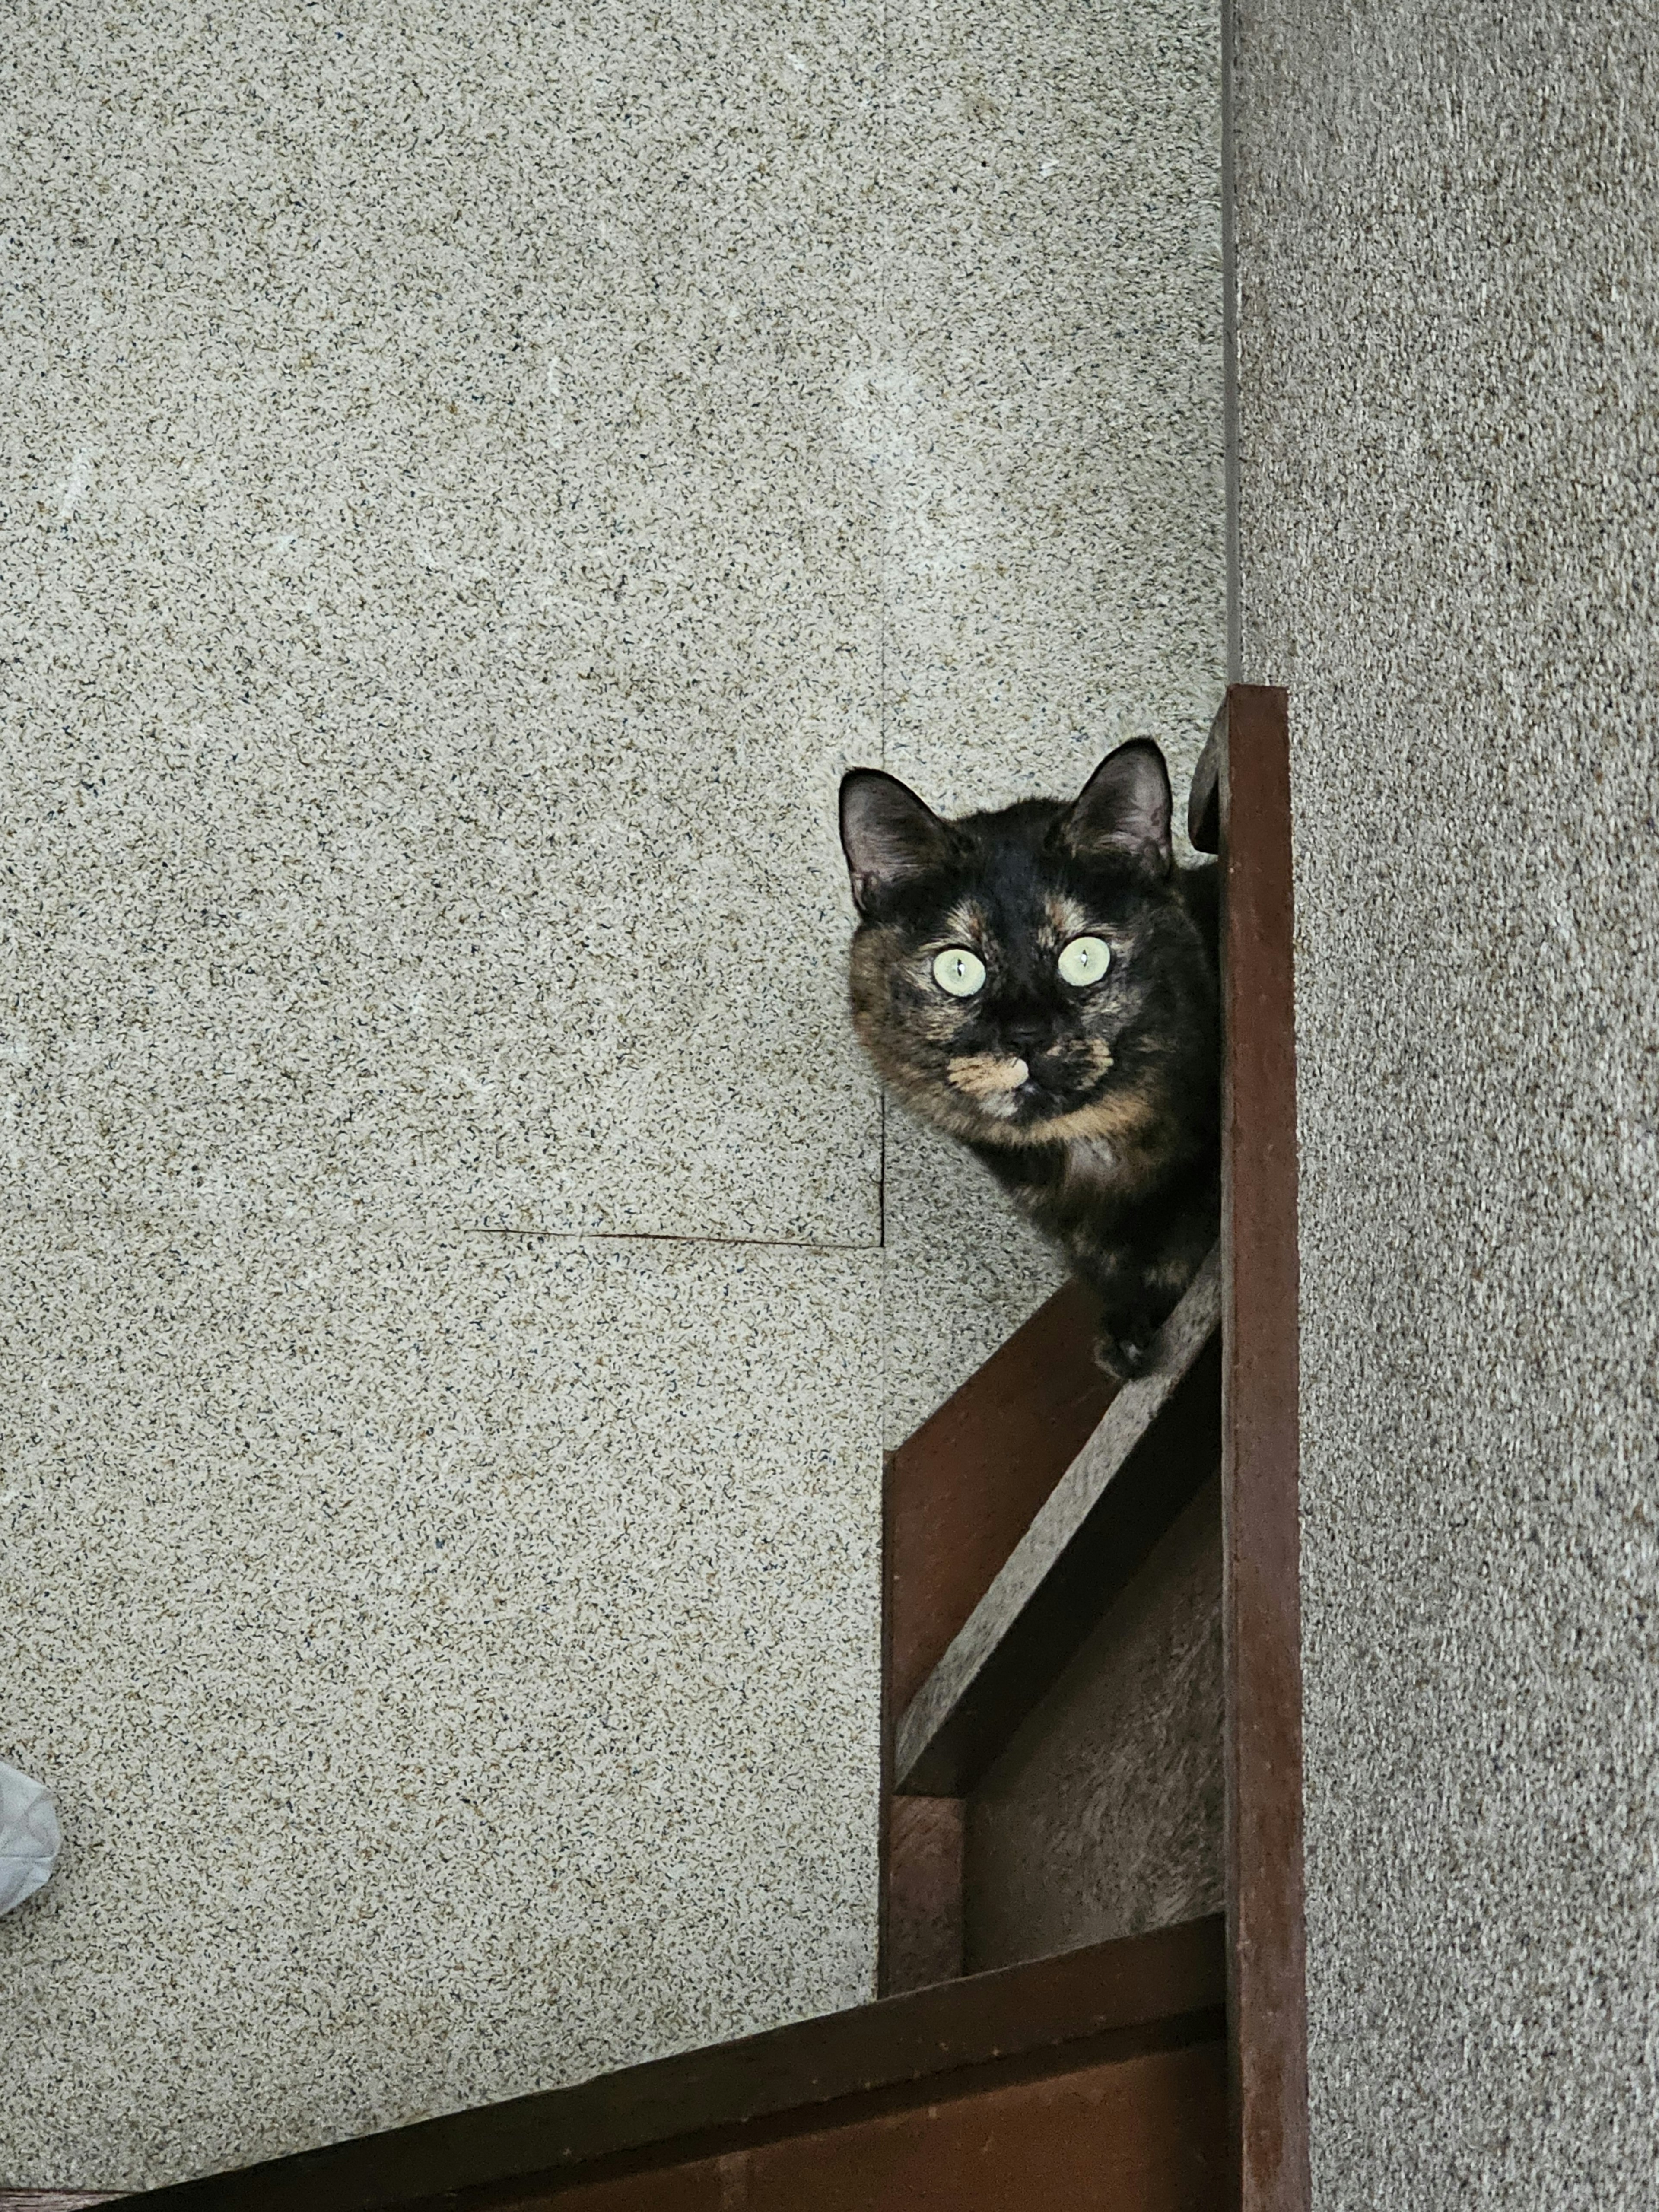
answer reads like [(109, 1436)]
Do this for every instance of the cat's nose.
[(1027, 1038)]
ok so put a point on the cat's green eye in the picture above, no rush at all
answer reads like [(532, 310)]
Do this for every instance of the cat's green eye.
[(1085, 960), (959, 972)]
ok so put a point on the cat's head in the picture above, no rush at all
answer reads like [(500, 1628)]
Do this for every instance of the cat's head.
[(1033, 974)]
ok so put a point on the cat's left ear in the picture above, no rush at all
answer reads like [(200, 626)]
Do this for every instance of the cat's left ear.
[(1122, 812)]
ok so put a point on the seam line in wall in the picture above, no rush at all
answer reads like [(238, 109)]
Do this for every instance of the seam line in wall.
[(883, 351), (884, 572), (1232, 490), (660, 1237), (881, 1171)]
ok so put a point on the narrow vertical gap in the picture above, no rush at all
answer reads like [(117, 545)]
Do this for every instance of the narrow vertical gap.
[(883, 563), (881, 399), (880, 385), (1229, 350), (881, 1170)]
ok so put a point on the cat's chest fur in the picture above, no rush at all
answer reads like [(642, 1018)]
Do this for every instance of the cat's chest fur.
[(1094, 1170), (1061, 1184)]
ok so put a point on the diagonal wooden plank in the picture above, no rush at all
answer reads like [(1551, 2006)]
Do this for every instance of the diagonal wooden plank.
[(957, 1496), (963, 1488), (1158, 1441), (55, 2200), (1110, 2003)]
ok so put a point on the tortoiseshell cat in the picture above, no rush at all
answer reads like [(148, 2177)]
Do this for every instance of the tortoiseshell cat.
[(1041, 983)]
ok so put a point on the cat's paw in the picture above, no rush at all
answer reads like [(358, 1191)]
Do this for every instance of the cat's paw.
[(1122, 1358)]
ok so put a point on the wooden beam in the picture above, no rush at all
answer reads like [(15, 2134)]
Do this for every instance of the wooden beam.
[(922, 1892), (1260, 1604), (1152, 1451), (962, 1490), (1110, 2003), (958, 1495), (54, 2200), (1145, 2134)]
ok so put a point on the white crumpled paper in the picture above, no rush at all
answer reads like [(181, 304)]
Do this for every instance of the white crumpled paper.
[(29, 1836)]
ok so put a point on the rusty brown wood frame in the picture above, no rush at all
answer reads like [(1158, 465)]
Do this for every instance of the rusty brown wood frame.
[(963, 1489), (1240, 807), (55, 2200), (1110, 2003)]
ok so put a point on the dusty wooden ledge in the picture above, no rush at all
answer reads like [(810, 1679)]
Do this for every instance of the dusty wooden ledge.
[(1108, 2001), (55, 2200), (1158, 1441)]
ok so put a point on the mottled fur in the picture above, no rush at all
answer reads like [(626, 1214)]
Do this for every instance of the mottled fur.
[(1094, 1107)]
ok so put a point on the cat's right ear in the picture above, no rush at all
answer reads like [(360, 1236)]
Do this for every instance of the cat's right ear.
[(891, 837)]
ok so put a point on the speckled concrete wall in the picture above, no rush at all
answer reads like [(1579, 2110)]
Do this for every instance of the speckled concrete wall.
[(472, 480), (1448, 242), (1048, 430)]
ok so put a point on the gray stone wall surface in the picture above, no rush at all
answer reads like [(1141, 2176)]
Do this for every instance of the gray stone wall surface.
[(472, 479), (1449, 255), (1047, 405)]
